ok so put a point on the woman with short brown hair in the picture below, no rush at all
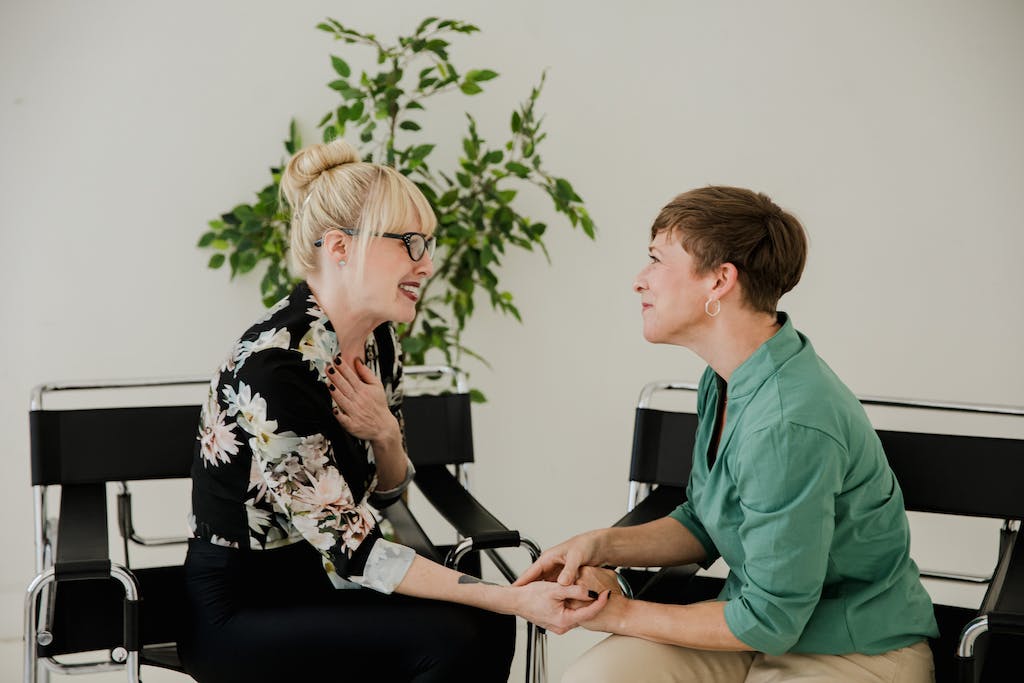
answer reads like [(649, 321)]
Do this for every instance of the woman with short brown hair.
[(789, 484)]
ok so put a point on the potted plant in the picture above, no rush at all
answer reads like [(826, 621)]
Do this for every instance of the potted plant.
[(475, 202)]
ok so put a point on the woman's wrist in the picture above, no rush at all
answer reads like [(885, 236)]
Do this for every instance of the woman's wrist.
[(390, 439)]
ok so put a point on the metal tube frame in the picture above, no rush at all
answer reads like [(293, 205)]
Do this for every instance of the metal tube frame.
[(536, 637), (48, 578)]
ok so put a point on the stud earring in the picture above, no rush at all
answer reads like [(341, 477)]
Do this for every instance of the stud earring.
[(341, 264)]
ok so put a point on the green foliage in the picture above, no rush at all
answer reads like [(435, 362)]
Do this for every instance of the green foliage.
[(474, 202)]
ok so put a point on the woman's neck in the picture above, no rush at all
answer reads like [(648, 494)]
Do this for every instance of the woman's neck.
[(350, 326), (730, 341)]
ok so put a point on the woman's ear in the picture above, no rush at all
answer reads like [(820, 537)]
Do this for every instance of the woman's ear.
[(337, 245), (726, 279)]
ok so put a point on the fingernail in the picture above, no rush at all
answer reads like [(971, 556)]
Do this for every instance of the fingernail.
[(594, 595), (330, 370), (337, 359), (331, 387), (335, 411)]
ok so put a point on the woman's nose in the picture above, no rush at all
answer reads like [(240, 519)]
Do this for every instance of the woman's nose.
[(425, 266)]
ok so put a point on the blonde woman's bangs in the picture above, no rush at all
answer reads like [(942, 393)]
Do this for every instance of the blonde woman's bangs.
[(395, 204)]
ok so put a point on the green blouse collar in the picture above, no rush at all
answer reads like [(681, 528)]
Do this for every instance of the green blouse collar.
[(767, 359)]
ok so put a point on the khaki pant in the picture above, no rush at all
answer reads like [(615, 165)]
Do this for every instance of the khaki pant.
[(634, 660)]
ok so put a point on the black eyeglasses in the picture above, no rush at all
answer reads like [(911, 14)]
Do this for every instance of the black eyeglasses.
[(416, 243)]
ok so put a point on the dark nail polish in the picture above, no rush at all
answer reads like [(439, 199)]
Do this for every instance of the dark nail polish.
[(330, 371), (331, 387), (593, 595), (337, 359)]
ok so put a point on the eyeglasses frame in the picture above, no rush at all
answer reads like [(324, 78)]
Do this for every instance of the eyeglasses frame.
[(429, 243)]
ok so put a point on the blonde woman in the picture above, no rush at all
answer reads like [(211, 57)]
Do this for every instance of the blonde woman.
[(288, 575)]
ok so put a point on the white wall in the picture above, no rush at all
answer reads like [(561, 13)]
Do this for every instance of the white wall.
[(891, 129)]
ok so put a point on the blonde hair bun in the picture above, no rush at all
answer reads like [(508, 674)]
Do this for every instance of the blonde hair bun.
[(308, 163)]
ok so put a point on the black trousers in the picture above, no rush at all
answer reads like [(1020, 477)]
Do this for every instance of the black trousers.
[(273, 615)]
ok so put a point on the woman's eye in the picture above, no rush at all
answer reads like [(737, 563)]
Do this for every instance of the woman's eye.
[(653, 258)]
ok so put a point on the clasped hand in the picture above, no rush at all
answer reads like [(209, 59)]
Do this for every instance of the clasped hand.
[(572, 564)]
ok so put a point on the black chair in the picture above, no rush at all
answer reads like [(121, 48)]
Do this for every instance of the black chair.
[(82, 602), (975, 476)]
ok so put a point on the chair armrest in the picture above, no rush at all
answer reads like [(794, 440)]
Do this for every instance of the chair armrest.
[(455, 503), (408, 530), (464, 512), (126, 524), (1004, 600), (83, 551), (658, 504)]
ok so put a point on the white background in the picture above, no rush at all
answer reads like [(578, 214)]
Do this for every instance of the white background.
[(892, 130)]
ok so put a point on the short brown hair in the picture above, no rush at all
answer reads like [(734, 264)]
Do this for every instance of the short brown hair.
[(719, 224)]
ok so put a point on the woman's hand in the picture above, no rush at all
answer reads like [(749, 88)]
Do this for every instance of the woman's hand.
[(610, 619), (562, 562), (545, 604), (360, 403), (598, 580)]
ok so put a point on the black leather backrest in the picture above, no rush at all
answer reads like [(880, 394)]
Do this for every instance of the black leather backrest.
[(438, 429), (958, 475), (663, 443), (112, 444)]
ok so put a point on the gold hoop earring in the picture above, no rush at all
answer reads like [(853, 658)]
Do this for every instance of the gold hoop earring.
[(707, 307)]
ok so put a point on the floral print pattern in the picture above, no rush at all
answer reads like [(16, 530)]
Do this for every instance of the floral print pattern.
[(273, 466)]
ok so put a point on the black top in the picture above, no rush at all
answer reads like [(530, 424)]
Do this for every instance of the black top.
[(273, 466)]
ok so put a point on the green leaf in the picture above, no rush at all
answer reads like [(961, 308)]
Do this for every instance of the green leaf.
[(477, 396), (517, 168), (420, 152), (517, 122), (565, 191), (424, 24), (409, 125), (341, 67), (470, 88), (216, 261), (478, 75), (205, 240), (494, 157), (325, 119)]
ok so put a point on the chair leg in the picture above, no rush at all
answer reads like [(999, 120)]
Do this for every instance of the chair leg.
[(31, 670)]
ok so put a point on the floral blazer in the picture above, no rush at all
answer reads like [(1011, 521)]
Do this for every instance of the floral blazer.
[(274, 467)]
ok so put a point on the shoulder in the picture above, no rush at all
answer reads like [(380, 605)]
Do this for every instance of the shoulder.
[(785, 460), (805, 394)]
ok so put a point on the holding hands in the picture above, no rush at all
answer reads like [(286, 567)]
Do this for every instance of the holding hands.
[(575, 563)]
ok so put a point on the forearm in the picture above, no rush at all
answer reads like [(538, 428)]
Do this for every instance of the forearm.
[(391, 460), (426, 579), (661, 543), (701, 625)]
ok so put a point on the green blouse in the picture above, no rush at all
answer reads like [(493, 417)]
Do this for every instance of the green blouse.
[(800, 502)]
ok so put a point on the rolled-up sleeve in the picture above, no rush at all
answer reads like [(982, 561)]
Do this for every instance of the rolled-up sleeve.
[(788, 478), (685, 515)]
